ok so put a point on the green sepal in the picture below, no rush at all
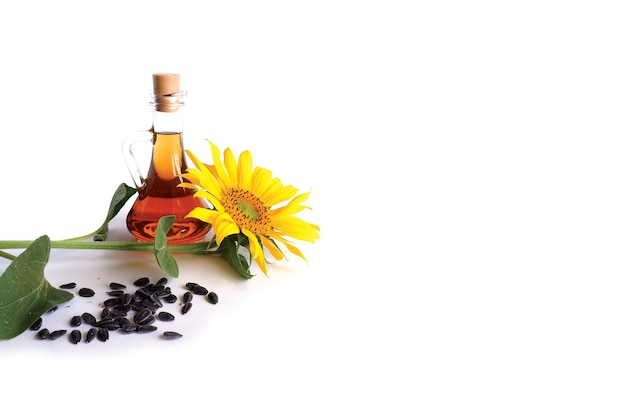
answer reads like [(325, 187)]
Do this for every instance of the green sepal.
[(229, 250)]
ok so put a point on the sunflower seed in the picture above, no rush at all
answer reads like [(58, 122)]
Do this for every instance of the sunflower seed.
[(56, 334), (37, 324), (165, 316), (117, 286), (126, 299), (143, 281), (91, 334), (186, 308), (76, 321), (199, 290), (86, 292), (75, 336), (68, 286), (129, 328), (88, 318), (212, 297), (142, 315), (172, 298), (43, 333), (110, 302), (171, 335), (107, 323), (156, 288), (145, 329), (187, 297), (103, 334)]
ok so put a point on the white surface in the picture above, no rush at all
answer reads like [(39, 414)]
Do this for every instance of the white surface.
[(467, 167)]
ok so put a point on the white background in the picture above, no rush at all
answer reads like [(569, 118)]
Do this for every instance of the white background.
[(466, 162)]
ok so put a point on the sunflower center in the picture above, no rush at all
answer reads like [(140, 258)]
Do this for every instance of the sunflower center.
[(246, 209)]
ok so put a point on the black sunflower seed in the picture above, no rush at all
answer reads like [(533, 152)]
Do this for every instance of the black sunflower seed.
[(145, 328), (91, 334), (43, 333), (172, 298), (169, 335), (187, 297), (56, 334), (126, 299), (186, 308), (103, 334), (76, 321), (199, 290), (105, 313), (110, 302), (37, 324), (75, 336), (116, 286), (123, 321), (212, 297), (142, 315), (86, 292), (141, 282), (89, 318), (129, 328), (107, 323), (165, 316), (68, 286)]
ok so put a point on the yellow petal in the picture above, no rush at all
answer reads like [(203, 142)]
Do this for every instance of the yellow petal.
[(274, 250), (260, 177), (219, 168), (291, 248), (245, 170), (231, 167), (280, 195), (296, 228), (201, 167), (211, 199), (293, 206), (224, 226)]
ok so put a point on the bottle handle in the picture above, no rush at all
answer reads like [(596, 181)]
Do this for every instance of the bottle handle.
[(130, 156)]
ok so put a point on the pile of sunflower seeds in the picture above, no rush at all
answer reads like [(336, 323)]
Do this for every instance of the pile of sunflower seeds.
[(126, 311)]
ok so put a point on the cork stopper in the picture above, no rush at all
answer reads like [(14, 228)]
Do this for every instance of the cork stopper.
[(168, 96), (165, 83)]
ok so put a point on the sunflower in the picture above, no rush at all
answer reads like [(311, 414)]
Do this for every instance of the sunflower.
[(251, 202)]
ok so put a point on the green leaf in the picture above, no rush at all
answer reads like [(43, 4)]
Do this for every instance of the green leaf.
[(229, 250), (163, 256), (25, 294), (120, 197)]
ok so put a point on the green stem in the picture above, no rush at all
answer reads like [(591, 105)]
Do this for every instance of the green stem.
[(194, 248), (79, 238), (7, 255)]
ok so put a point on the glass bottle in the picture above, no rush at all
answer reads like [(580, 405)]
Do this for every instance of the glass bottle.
[(158, 192)]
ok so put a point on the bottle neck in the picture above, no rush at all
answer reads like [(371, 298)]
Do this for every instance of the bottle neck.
[(167, 112), (167, 122)]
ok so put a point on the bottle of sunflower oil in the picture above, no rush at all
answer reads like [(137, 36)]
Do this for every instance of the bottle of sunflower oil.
[(158, 191)]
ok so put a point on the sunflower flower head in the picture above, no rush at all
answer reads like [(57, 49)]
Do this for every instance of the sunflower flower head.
[(250, 205)]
